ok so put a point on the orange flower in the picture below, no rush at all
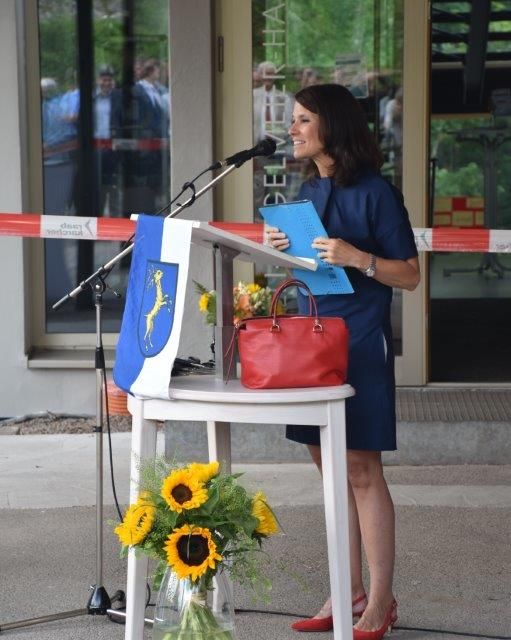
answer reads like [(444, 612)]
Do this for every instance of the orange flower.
[(243, 308)]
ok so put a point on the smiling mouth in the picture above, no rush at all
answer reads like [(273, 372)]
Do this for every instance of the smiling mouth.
[(295, 142)]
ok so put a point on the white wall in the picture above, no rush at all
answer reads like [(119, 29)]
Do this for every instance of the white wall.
[(192, 144), (24, 390)]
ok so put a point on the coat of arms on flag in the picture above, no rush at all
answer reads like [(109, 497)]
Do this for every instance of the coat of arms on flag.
[(158, 306), (151, 323)]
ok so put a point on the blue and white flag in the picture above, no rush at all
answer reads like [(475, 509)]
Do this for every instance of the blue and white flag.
[(151, 324)]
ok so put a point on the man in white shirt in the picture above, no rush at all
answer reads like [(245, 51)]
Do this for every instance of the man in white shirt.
[(272, 108), (107, 115)]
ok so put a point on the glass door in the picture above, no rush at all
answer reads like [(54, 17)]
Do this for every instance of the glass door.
[(470, 293), (105, 124), (292, 44)]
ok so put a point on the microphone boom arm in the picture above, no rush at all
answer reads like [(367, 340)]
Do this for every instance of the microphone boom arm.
[(127, 250)]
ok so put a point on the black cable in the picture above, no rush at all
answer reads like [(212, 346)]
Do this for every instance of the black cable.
[(187, 185), (112, 479), (183, 189), (397, 628), (271, 613), (110, 452), (191, 186), (454, 633)]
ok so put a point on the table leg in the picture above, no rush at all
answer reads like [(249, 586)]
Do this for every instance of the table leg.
[(219, 448), (143, 445), (335, 488), (219, 444)]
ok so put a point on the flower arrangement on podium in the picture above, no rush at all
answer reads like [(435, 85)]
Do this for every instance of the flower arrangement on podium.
[(198, 524), (248, 300)]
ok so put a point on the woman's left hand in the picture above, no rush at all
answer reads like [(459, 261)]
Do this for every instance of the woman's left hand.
[(338, 252)]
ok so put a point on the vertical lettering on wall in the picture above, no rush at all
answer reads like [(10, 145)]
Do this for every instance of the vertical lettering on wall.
[(277, 112)]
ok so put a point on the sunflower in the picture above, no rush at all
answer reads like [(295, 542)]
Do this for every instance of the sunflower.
[(191, 551), (144, 498), (260, 510), (204, 472), (204, 302), (137, 523), (182, 490)]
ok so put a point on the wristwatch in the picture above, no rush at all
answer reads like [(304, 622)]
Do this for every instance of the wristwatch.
[(371, 269)]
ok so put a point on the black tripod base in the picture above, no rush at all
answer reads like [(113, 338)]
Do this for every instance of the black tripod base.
[(99, 601), (99, 604), (42, 619)]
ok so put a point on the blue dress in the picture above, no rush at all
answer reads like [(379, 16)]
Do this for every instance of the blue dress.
[(371, 216)]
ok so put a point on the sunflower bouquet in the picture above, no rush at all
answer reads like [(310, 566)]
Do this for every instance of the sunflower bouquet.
[(248, 300), (197, 522)]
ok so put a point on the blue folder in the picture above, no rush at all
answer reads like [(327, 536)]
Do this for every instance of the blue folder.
[(301, 224)]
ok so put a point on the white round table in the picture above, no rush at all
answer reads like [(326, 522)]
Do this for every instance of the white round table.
[(209, 399)]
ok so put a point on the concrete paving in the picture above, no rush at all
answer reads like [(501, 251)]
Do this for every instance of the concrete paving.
[(453, 565)]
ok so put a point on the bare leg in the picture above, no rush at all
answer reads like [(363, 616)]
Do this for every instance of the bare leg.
[(376, 518), (357, 587)]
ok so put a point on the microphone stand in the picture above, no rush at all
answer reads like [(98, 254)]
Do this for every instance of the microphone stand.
[(99, 601)]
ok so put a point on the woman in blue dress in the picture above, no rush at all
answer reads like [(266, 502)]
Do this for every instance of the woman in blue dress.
[(369, 234)]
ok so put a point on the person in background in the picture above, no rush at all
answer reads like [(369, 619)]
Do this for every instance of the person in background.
[(369, 234), (107, 122), (272, 107), (60, 145), (150, 127), (310, 76), (257, 81), (393, 133)]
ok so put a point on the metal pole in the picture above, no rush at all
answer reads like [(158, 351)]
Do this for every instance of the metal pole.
[(99, 600)]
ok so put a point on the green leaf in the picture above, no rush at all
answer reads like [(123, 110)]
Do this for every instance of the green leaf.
[(249, 525), (200, 288), (209, 506)]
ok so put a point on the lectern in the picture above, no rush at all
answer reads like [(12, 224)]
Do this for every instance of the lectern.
[(218, 403)]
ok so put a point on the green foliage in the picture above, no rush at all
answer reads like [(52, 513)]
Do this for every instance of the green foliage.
[(246, 571), (318, 31), (466, 181), (460, 163), (59, 42)]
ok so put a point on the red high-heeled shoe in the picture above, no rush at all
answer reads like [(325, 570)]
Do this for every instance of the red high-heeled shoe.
[(327, 623), (389, 621)]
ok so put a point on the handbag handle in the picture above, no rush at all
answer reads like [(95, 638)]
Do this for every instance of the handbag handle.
[(292, 282)]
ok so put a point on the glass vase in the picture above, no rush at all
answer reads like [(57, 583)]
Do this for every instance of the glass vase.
[(187, 610)]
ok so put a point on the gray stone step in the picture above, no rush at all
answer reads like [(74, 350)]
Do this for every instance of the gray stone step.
[(436, 426)]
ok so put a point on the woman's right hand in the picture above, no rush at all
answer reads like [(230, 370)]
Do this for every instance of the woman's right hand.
[(275, 238)]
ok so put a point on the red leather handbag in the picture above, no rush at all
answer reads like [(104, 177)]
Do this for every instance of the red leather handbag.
[(286, 351)]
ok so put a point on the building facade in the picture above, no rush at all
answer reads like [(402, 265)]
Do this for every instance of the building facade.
[(109, 107)]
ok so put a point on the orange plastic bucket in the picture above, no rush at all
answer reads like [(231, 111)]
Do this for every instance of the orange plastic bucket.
[(117, 400)]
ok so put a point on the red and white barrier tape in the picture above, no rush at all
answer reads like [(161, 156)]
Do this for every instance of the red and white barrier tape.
[(111, 144), (32, 225)]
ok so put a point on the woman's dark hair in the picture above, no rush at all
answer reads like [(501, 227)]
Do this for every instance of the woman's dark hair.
[(343, 131)]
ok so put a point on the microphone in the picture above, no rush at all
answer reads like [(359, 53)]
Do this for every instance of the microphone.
[(266, 147)]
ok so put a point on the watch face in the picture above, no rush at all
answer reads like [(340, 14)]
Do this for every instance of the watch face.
[(371, 269)]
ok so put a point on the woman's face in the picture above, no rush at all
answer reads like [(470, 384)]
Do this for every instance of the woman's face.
[(304, 132)]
